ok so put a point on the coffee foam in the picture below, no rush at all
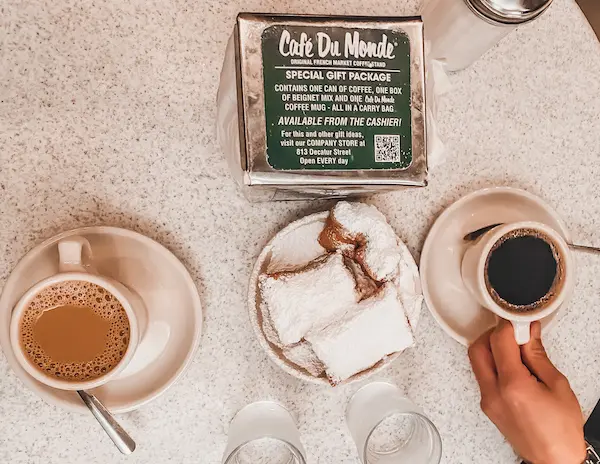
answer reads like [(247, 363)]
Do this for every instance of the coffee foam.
[(76, 293), (556, 285)]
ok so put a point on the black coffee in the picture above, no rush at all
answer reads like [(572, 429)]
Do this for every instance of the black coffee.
[(522, 270)]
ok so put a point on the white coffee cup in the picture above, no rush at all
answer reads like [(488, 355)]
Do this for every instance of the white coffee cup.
[(72, 268), (473, 275)]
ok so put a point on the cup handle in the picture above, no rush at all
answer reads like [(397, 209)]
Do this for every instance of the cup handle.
[(522, 332), (70, 254)]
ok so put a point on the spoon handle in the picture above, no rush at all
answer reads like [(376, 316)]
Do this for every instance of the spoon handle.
[(585, 249), (120, 437)]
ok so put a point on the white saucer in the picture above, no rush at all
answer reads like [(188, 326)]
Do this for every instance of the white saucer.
[(296, 245), (450, 303), (170, 296)]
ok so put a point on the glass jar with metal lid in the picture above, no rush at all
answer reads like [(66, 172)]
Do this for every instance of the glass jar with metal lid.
[(460, 31)]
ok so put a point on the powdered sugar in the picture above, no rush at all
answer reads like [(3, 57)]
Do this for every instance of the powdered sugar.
[(408, 284), (312, 297), (373, 329), (293, 248), (378, 245), (365, 286), (303, 355), (296, 248), (268, 327)]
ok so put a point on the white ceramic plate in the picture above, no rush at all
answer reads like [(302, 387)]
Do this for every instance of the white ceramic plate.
[(297, 244), (450, 303), (170, 296)]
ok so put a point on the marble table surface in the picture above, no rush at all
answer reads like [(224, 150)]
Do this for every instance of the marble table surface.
[(107, 113)]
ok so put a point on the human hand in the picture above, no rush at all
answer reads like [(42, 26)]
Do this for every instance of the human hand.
[(527, 398)]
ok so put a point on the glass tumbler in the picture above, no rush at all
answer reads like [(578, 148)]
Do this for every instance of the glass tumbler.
[(460, 31), (264, 433), (388, 428)]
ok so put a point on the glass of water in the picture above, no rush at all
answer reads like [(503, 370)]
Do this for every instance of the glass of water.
[(388, 428), (264, 433)]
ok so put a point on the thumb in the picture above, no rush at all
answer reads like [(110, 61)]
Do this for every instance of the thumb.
[(535, 358)]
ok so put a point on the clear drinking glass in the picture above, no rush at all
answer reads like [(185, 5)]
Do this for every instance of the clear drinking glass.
[(264, 433), (457, 36), (388, 428), (460, 31)]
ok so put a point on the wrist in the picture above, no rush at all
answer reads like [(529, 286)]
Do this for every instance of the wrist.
[(592, 456), (572, 456), (579, 456)]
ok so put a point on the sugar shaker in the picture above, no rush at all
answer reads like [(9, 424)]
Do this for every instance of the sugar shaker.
[(461, 31)]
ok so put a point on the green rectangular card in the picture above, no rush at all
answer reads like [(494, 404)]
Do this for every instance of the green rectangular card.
[(337, 98)]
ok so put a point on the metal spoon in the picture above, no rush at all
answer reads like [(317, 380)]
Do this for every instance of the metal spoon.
[(112, 428), (479, 232)]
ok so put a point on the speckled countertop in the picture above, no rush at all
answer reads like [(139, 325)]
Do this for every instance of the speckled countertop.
[(107, 117)]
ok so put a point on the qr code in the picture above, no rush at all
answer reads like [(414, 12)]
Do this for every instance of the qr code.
[(387, 148)]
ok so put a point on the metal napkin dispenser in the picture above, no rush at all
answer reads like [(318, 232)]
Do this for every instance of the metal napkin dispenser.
[(312, 107)]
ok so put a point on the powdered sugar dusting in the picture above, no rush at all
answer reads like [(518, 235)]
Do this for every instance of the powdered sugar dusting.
[(296, 248), (299, 301), (268, 327), (303, 355), (380, 253), (408, 284), (293, 248), (373, 329)]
